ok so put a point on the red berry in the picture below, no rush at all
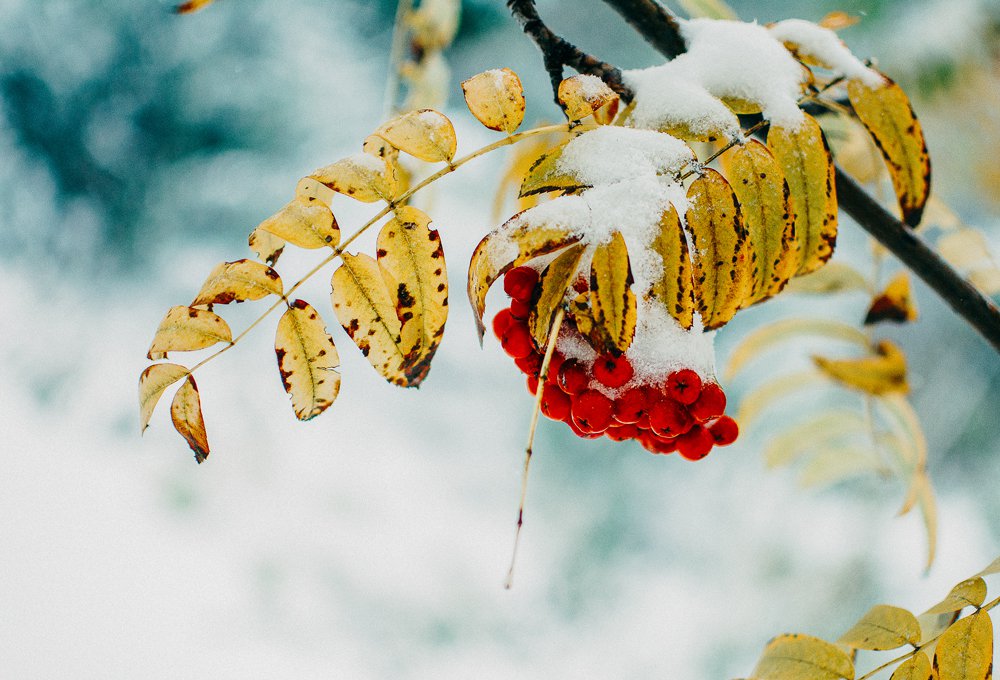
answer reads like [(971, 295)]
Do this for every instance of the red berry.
[(532, 384), (520, 309), (667, 418), (555, 363), (501, 322), (516, 341), (655, 444), (684, 386), (519, 283), (630, 406), (572, 378), (580, 432), (612, 371), (724, 431), (555, 402), (620, 433), (592, 411), (696, 443), (531, 364), (711, 403)]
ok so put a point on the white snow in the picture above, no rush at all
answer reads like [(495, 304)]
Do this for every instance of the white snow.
[(666, 98), (591, 87), (612, 154), (823, 45)]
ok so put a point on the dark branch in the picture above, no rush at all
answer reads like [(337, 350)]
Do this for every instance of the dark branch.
[(654, 23)]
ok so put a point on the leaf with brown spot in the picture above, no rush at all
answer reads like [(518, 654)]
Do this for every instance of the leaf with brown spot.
[(883, 627), (723, 274), (611, 295), (307, 360), (510, 245), (917, 667), (675, 287), (192, 6), (411, 259), (267, 246), (808, 166), (969, 593), (544, 175), (895, 303), (496, 99), (240, 280), (362, 177), (583, 95), (759, 183), (310, 190), (965, 650), (185, 412), (802, 657), (304, 223), (882, 373), (152, 383), (887, 115), (380, 148), (553, 284), (185, 329), (425, 134)]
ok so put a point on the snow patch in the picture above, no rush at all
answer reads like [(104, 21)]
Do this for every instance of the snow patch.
[(826, 47), (612, 154)]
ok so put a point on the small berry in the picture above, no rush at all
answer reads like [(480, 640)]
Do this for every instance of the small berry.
[(519, 283), (555, 363), (655, 444), (612, 371), (555, 402), (583, 434), (572, 378), (592, 411), (667, 418), (516, 341), (520, 309), (724, 431), (684, 386), (531, 364), (532, 384), (630, 406), (696, 443), (621, 433), (711, 403), (501, 322)]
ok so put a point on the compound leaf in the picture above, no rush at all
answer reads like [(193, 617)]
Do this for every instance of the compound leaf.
[(307, 360)]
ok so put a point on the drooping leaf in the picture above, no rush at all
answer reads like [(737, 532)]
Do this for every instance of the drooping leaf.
[(496, 99), (378, 147), (310, 190), (411, 259), (808, 166), (816, 431), (833, 277), (773, 334), (917, 667), (185, 329), (928, 512), (723, 261), (895, 303), (185, 412), (307, 360), (887, 115), (883, 627), (760, 186), (965, 650), (611, 295), (267, 246), (553, 284), (969, 593), (904, 422), (361, 176), (152, 383), (676, 286), (585, 95), (304, 223), (803, 657), (992, 568), (881, 373), (545, 175), (240, 280), (761, 398), (832, 464), (425, 134)]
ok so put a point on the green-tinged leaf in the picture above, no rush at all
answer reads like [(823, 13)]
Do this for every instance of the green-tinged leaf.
[(881, 373), (611, 295), (362, 176), (834, 277), (723, 262), (887, 115), (412, 262), (965, 650), (238, 281), (817, 431), (185, 329), (152, 383), (830, 465), (185, 412), (895, 303), (307, 360), (917, 667), (969, 593), (773, 334), (267, 246), (425, 134), (585, 95), (803, 657), (555, 280), (808, 165), (759, 183), (883, 627), (675, 287), (306, 224), (760, 399), (545, 175), (496, 99)]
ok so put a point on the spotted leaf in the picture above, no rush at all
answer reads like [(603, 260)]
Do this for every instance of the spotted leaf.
[(586, 95), (965, 650), (362, 176), (882, 373), (883, 627), (185, 329), (267, 246), (192, 6), (553, 284), (305, 223), (496, 99), (425, 134), (152, 383), (675, 287), (611, 295), (545, 175), (185, 412), (969, 593), (895, 303), (238, 281), (307, 360), (802, 657)]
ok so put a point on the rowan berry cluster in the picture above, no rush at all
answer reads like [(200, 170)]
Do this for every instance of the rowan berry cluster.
[(678, 413)]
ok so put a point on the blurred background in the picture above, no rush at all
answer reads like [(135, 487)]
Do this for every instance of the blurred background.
[(139, 148)]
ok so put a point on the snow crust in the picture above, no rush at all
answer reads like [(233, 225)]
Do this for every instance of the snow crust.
[(826, 47), (612, 154), (591, 87)]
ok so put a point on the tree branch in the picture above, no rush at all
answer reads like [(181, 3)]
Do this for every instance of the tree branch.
[(654, 23)]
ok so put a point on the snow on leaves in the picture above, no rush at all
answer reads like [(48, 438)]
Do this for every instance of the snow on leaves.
[(307, 360), (553, 286), (496, 99), (611, 295), (424, 134), (586, 95)]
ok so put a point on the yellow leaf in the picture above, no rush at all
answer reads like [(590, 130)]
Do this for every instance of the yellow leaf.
[(993, 568), (773, 334), (425, 134), (240, 280), (412, 263), (267, 246), (879, 374), (964, 248), (496, 99), (307, 360), (185, 329), (304, 223), (838, 20), (611, 295), (585, 95), (522, 157), (969, 593), (760, 186), (932, 625), (965, 650), (830, 465), (361, 176), (887, 115), (802, 657), (917, 667), (185, 412), (553, 284), (883, 627), (544, 175), (310, 190), (834, 277), (895, 303), (152, 383), (758, 401), (723, 277), (905, 424), (509, 246), (192, 6), (380, 148), (818, 430), (675, 287), (709, 9), (367, 312), (805, 158), (986, 280)]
